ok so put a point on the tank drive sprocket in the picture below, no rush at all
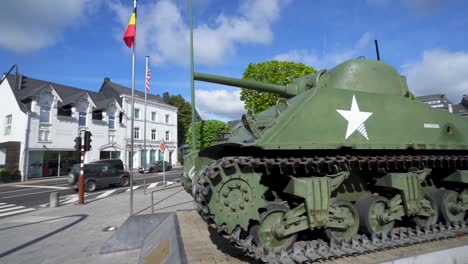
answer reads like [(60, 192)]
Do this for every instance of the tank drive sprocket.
[(233, 196)]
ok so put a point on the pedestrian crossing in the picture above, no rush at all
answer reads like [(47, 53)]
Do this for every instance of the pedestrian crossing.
[(7, 209), (73, 198)]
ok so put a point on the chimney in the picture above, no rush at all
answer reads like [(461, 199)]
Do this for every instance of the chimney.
[(106, 79), (166, 97)]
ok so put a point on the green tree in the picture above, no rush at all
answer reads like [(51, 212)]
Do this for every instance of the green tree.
[(207, 132), (275, 72), (184, 116)]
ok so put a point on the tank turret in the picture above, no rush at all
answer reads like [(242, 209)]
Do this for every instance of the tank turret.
[(357, 75)]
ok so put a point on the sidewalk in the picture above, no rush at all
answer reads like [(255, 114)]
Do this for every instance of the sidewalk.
[(75, 233)]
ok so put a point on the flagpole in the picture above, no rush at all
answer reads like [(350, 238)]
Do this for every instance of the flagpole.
[(132, 132), (144, 127), (192, 84)]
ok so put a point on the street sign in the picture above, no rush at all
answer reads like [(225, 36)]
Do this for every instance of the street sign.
[(162, 146)]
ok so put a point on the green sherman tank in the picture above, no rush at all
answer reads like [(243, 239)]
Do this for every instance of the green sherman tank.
[(346, 162)]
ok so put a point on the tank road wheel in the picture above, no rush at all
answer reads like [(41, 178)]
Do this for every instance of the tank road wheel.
[(431, 214), (235, 197), (446, 202), (264, 233), (349, 216), (371, 209)]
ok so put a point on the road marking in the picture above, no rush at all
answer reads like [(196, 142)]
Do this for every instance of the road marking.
[(2, 203), (26, 194), (134, 188), (44, 187), (106, 194), (154, 184), (7, 205), (72, 200), (11, 208), (17, 212)]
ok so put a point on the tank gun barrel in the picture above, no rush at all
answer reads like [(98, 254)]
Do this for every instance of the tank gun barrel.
[(286, 91)]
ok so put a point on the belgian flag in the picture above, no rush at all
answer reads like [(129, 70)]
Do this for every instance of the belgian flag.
[(129, 36)]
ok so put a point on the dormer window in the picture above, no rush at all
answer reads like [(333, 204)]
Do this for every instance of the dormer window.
[(44, 116), (82, 119), (111, 122)]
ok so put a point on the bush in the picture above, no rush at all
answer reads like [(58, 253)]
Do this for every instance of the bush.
[(10, 176)]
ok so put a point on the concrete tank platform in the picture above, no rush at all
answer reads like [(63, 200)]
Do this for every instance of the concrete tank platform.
[(183, 237)]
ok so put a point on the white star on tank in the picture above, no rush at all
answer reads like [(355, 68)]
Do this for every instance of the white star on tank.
[(355, 119)]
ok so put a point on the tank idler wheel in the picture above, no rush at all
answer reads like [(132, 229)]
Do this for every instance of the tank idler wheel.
[(350, 217), (446, 201), (264, 233), (371, 210), (422, 220)]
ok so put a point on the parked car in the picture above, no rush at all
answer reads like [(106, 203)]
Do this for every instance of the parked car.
[(155, 166), (100, 174)]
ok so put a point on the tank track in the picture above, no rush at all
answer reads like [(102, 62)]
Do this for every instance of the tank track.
[(317, 250)]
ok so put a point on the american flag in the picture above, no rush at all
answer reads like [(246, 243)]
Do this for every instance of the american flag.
[(148, 77)]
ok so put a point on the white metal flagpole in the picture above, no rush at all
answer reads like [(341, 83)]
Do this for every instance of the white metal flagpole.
[(147, 87), (133, 116)]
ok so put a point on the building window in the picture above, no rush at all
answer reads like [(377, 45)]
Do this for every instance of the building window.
[(109, 155), (44, 117), (137, 113), (121, 118), (8, 120), (44, 135), (153, 116), (167, 119), (111, 122), (136, 133), (111, 138), (153, 134), (97, 116), (82, 119), (167, 136)]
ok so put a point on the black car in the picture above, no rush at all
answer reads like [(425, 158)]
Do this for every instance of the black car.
[(155, 166), (100, 174)]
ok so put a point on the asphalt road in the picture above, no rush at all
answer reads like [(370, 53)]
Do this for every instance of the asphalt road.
[(26, 196)]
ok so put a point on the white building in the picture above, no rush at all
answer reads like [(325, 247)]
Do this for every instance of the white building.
[(39, 121)]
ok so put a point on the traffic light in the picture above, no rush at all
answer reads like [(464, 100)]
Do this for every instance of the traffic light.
[(78, 143), (87, 140)]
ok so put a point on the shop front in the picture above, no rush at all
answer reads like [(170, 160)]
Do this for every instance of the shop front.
[(48, 163)]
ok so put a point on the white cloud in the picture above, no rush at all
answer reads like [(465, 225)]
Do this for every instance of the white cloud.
[(30, 25), (164, 35), (330, 59), (417, 7), (439, 72), (220, 104), (299, 55)]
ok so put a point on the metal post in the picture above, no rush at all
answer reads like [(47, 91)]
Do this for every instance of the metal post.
[(192, 84), (164, 166), (144, 130), (81, 179), (132, 127), (152, 202), (58, 166)]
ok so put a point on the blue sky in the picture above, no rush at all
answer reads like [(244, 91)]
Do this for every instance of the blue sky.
[(79, 42)]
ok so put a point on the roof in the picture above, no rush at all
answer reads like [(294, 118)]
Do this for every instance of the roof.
[(109, 91), (113, 89), (31, 86)]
